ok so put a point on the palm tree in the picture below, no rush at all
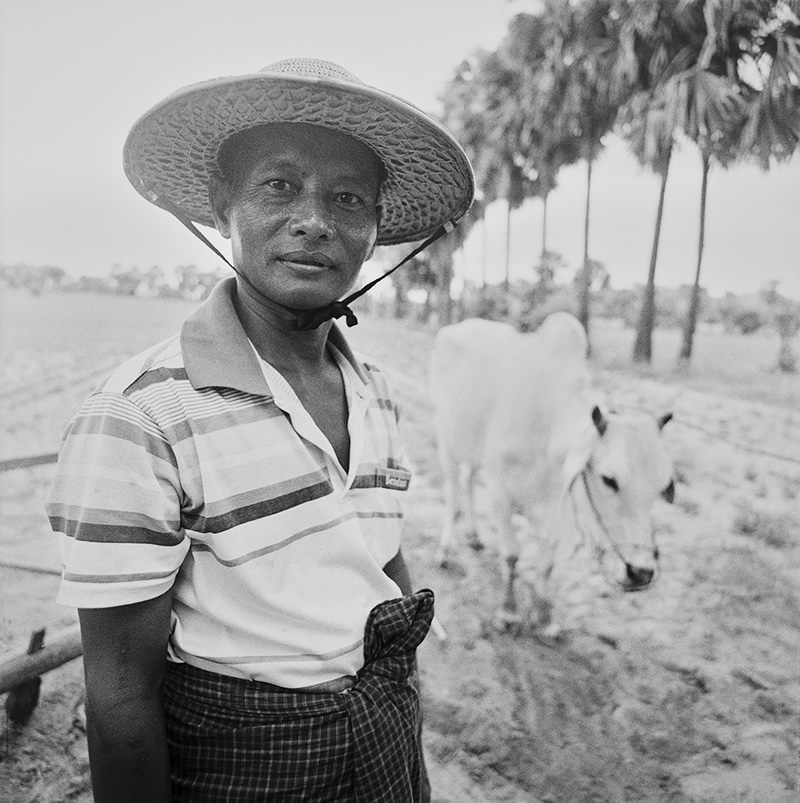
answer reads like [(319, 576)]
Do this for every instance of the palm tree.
[(590, 105), (544, 137), (686, 60), (719, 100), (659, 39), (650, 133), (525, 147), (706, 107), (480, 108), (769, 69), (463, 101)]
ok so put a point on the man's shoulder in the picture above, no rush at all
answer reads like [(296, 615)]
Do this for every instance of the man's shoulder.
[(163, 360)]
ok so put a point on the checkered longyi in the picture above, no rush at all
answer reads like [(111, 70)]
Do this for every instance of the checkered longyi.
[(240, 740)]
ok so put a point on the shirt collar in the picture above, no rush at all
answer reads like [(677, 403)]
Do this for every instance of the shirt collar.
[(218, 353)]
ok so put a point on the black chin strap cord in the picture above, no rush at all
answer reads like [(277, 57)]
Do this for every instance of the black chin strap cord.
[(303, 319)]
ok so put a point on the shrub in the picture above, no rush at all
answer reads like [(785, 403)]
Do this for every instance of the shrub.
[(748, 321), (774, 529)]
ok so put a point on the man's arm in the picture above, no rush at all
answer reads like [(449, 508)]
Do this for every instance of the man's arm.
[(124, 651)]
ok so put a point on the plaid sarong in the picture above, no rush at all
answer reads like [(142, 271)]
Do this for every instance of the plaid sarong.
[(232, 739)]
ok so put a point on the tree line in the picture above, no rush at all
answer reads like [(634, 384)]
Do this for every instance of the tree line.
[(723, 74), (182, 281)]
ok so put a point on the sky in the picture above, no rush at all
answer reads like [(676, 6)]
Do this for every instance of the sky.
[(74, 77)]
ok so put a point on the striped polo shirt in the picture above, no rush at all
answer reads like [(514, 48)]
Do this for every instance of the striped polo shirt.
[(196, 467)]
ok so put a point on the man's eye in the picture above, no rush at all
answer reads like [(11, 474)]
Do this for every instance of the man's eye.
[(279, 184), (349, 198)]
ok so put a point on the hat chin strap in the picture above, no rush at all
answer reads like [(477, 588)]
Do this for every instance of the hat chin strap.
[(302, 320)]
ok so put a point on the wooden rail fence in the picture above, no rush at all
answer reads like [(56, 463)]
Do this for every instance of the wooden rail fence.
[(19, 676)]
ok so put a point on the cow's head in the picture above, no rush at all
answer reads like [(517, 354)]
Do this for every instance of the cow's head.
[(627, 470)]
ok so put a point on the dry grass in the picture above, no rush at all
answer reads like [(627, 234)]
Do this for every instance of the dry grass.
[(744, 366), (777, 530)]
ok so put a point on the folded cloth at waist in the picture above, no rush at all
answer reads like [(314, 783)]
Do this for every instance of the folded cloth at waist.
[(234, 739), (334, 686)]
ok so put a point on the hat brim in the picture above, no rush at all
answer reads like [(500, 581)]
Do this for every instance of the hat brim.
[(171, 151)]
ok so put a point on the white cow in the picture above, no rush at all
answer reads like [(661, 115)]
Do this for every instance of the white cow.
[(521, 409)]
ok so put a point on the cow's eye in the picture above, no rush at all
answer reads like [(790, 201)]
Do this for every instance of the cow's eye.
[(609, 482), (669, 492)]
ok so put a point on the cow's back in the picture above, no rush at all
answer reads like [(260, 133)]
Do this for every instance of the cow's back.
[(546, 398), (466, 369), (563, 337)]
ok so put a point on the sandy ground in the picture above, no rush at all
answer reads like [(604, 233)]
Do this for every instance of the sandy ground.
[(689, 692)]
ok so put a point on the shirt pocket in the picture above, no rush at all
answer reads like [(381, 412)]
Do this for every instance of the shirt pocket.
[(393, 479)]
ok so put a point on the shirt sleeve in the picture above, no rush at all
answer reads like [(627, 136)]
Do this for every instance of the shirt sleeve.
[(115, 503)]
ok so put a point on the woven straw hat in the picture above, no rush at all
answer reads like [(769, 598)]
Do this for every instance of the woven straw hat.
[(172, 150)]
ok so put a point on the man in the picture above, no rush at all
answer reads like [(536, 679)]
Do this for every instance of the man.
[(229, 501)]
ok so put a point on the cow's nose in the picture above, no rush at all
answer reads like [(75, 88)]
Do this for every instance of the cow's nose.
[(638, 577)]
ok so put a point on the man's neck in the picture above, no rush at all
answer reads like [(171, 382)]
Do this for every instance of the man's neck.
[(275, 338)]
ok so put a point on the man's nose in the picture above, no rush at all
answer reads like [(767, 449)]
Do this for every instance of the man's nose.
[(312, 219)]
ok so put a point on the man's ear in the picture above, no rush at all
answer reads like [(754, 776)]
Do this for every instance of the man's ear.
[(219, 195)]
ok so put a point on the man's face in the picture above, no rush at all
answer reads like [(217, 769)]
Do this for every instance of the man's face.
[(299, 204)]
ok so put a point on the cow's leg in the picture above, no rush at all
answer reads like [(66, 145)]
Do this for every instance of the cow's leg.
[(507, 617), (536, 573), (450, 473), (473, 538)]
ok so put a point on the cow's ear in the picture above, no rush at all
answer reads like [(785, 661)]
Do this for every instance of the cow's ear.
[(664, 420), (599, 420)]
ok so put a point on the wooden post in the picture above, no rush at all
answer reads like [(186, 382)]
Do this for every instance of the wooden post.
[(13, 463), (22, 699), (61, 649)]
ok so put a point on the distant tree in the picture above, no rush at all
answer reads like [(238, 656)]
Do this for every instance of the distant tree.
[(477, 108), (34, 278), (618, 305), (769, 68), (587, 38), (787, 322), (742, 99), (501, 106), (596, 278), (155, 280), (92, 284), (748, 321), (188, 280), (417, 274), (547, 269), (785, 317), (708, 107), (126, 281), (657, 40)]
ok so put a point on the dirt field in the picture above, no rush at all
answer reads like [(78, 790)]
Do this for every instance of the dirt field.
[(689, 692)]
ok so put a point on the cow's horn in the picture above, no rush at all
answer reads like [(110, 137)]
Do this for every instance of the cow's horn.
[(664, 420), (599, 420)]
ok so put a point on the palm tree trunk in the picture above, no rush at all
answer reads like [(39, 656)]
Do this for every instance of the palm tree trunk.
[(484, 259), (586, 273), (484, 252), (544, 227), (508, 246), (643, 347), (694, 304), (444, 299)]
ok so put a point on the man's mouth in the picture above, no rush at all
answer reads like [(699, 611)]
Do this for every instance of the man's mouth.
[(313, 260)]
